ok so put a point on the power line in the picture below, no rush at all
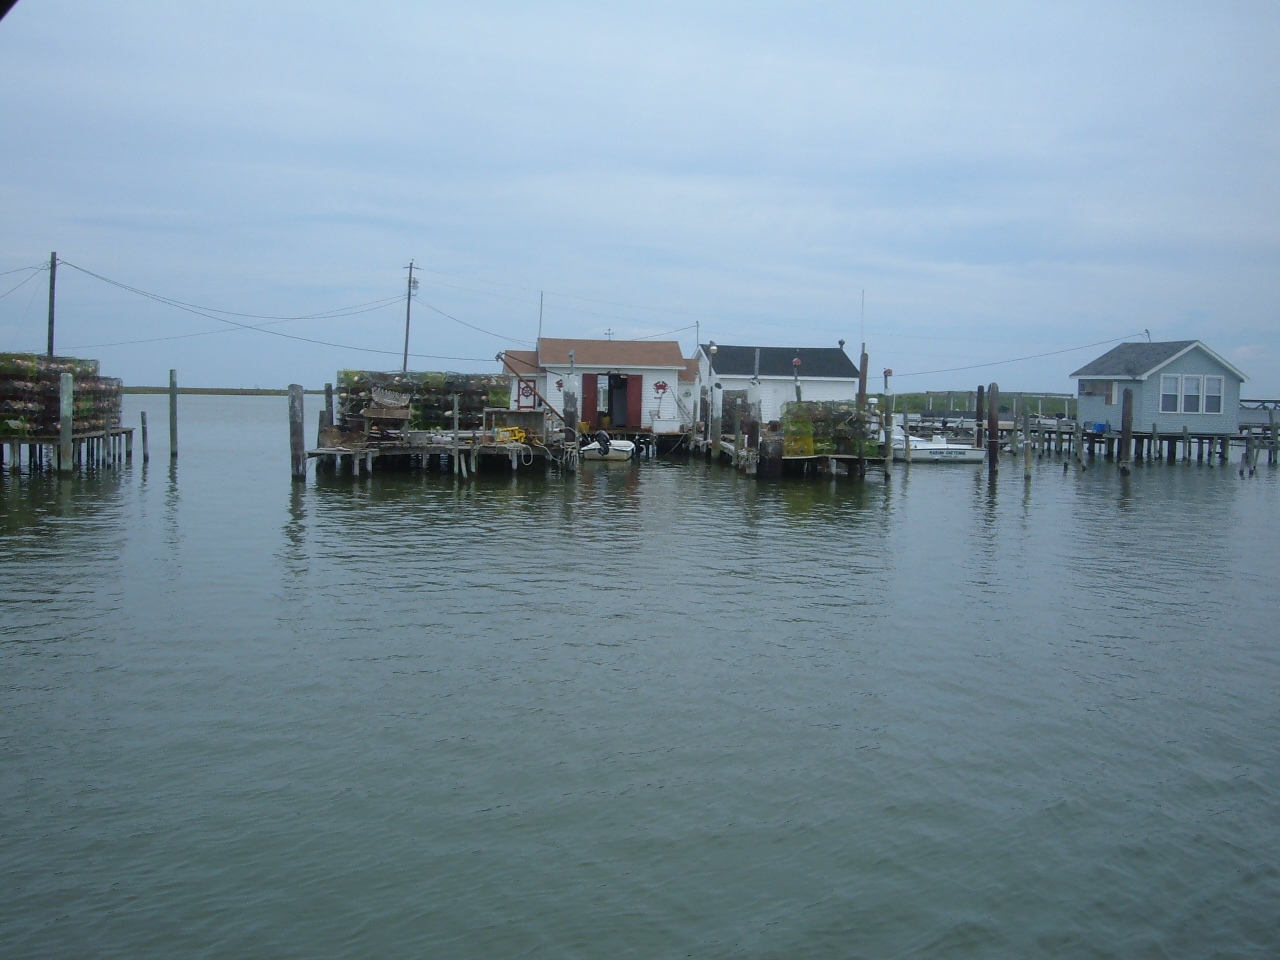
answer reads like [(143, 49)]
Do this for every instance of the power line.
[(1034, 356), (20, 283), (666, 333), (472, 326), (188, 308), (181, 304), (41, 266)]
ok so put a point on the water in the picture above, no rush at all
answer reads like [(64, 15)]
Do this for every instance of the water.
[(656, 711)]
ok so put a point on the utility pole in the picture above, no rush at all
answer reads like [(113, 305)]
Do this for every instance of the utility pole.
[(53, 280), (540, 295), (408, 304)]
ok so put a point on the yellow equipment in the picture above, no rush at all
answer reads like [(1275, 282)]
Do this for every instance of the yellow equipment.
[(508, 435)]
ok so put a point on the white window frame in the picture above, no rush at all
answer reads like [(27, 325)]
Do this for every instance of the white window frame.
[(1176, 392), (1221, 394), (1199, 394), (1204, 379)]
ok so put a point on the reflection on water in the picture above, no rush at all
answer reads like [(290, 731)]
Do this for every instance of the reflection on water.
[(654, 709)]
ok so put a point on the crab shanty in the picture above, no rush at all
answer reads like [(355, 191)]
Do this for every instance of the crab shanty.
[(640, 390)]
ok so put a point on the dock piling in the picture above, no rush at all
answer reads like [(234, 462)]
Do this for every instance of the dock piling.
[(146, 453), (1126, 431), (977, 416), (297, 444), (66, 408), (173, 414), (993, 430)]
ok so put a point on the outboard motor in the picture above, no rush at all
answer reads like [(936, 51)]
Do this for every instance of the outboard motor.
[(602, 438)]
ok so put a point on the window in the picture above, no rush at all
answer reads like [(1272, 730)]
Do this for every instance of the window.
[(1191, 394), (1169, 394), (1213, 394)]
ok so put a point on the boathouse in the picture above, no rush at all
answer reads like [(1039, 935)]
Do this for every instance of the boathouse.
[(624, 386), (1176, 384), (770, 375)]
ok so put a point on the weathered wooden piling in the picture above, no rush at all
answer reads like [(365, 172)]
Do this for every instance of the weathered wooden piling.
[(328, 405), (977, 417), (1026, 443), (1273, 456), (993, 429), (1154, 452), (906, 436), (173, 414), (146, 451), (66, 410), (1126, 430), (297, 443)]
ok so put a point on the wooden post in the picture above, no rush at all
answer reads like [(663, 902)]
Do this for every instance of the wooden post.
[(1013, 434), (977, 417), (1026, 443), (1126, 430), (1155, 443), (66, 410), (717, 414), (173, 414), (146, 453), (1186, 443), (993, 429), (1246, 463), (128, 447), (457, 463), (906, 437), (1274, 455), (297, 445), (1077, 442)]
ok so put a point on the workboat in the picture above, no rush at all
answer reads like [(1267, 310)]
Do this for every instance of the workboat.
[(619, 450), (935, 450)]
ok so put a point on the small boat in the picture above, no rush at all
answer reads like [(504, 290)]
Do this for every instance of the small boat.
[(936, 450), (619, 450)]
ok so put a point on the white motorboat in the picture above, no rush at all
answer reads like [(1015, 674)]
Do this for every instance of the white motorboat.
[(619, 450), (937, 449)]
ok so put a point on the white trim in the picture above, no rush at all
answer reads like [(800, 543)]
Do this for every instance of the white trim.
[(1182, 379), (1184, 351)]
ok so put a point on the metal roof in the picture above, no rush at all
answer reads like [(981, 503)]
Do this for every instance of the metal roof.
[(735, 361)]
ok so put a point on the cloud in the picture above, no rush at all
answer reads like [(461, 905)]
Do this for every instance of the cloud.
[(1000, 180)]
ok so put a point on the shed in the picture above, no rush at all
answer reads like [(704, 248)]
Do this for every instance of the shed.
[(770, 374), (629, 386), (1175, 384)]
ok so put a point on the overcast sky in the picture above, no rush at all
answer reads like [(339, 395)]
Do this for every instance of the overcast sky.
[(1002, 180)]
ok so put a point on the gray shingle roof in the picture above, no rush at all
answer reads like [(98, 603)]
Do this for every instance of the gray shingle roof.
[(733, 361), (1132, 359)]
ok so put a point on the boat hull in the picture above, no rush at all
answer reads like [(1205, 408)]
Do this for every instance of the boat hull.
[(948, 454), (620, 451)]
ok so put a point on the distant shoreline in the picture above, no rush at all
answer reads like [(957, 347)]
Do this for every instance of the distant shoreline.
[(217, 391)]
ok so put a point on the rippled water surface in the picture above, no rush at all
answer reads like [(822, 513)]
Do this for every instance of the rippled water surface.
[(659, 710)]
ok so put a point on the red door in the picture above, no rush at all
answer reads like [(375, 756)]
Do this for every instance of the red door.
[(635, 401), (590, 398)]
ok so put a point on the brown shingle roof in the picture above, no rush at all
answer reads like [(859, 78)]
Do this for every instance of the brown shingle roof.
[(690, 372), (611, 353), (523, 361)]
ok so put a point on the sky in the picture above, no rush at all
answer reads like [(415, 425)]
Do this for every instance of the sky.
[(995, 181)]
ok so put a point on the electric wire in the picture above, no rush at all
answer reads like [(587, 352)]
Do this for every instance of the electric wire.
[(19, 284), (1034, 356), (39, 266), (471, 326), (189, 308)]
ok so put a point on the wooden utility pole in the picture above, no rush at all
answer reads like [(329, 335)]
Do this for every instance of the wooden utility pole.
[(408, 304), (53, 284)]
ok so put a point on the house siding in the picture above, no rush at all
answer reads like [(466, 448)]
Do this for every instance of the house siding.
[(653, 404), (775, 391), (1146, 400)]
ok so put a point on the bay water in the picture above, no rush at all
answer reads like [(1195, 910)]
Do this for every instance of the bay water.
[(654, 710)]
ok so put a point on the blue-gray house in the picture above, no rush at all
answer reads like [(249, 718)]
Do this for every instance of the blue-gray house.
[(1176, 383)]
